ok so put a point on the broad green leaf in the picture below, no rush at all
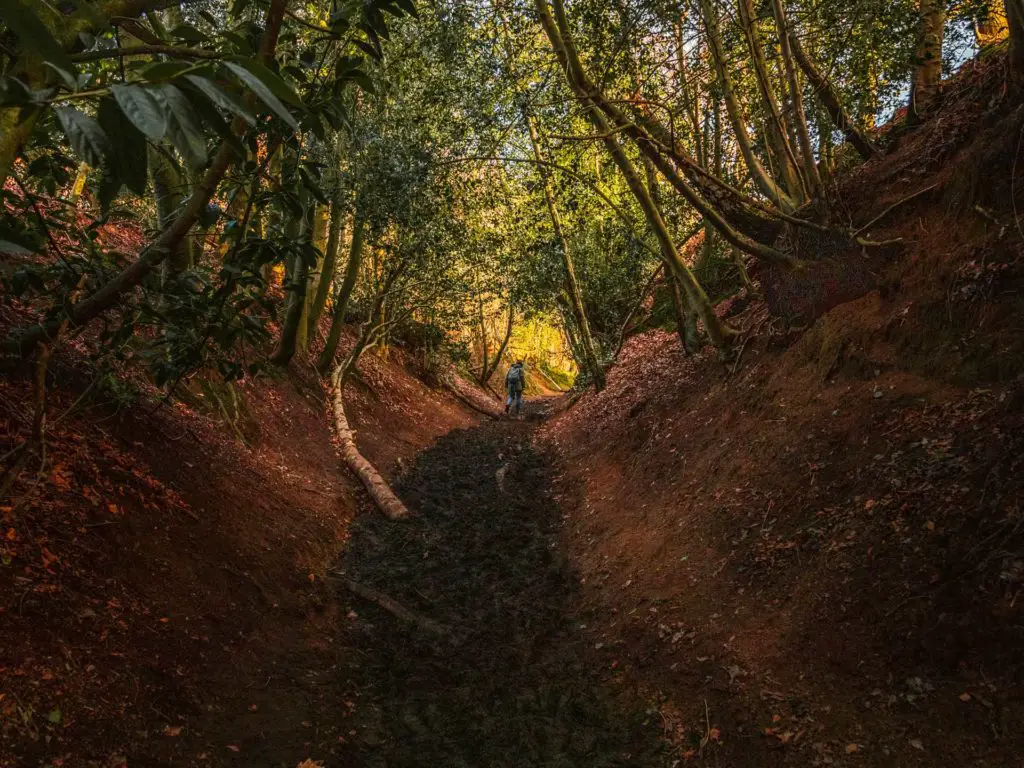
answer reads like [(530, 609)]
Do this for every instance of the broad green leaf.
[(142, 108), (33, 34), (220, 97), (188, 33), (263, 92), (362, 80), (313, 186), (165, 70), (108, 189), (215, 120), (128, 162), (85, 135), (183, 126), (409, 6), (277, 86), (69, 79)]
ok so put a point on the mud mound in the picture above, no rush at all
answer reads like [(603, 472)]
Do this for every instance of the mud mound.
[(511, 684)]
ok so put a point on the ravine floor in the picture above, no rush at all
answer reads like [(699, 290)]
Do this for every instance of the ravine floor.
[(505, 680)]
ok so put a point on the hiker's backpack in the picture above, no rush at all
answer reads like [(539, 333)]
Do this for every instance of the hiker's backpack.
[(515, 379)]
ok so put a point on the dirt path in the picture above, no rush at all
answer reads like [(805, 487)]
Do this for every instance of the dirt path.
[(512, 685)]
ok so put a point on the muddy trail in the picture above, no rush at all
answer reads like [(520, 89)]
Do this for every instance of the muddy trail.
[(493, 669)]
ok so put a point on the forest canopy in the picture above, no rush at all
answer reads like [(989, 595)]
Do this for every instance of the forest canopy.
[(224, 185)]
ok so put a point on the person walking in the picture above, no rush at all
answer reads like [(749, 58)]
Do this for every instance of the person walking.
[(515, 383)]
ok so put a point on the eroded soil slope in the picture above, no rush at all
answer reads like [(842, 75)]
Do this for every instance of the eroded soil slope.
[(816, 547), (162, 592)]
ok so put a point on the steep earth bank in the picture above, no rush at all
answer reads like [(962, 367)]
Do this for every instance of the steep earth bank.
[(814, 554), (162, 596)]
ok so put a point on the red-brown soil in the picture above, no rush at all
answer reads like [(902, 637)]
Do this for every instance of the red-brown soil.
[(814, 554), (808, 553), (162, 595)]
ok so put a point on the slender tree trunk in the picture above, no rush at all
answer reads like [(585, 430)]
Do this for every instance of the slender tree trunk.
[(785, 157), (832, 102), (928, 56), (348, 284), (686, 318), (715, 166), (169, 190), (297, 281), (690, 95), (695, 295), (796, 97), (572, 286), (334, 235), (1015, 21), (316, 234), (761, 177), (484, 355), (504, 342)]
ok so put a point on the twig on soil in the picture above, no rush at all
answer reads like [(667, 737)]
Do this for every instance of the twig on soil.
[(890, 209), (707, 733), (398, 610)]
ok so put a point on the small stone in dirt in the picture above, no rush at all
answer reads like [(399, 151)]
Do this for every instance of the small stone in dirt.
[(917, 744), (851, 748), (965, 697)]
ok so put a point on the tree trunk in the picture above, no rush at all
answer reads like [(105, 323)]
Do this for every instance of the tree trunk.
[(764, 181), (490, 369), (832, 102), (1015, 21), (796, 97), (169, 190), (686, 319), (323, 288), (297, 283), (572, 286), (927, 74), (695, 295), (785, 157), (348, 284)]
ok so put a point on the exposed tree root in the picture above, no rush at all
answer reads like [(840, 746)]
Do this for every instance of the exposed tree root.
[(376, 486)]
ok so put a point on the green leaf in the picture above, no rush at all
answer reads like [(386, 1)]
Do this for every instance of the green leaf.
[(214, 119), (409, 6), (184, 129), (108, 189), (129, 162), (188, 33), (263, 92), (220, 97), (85, 135), (69, 79), (6, 246), (55, 716), (33, 34), (313, 186), (142, 108), (277, 86), (362, 80), (165, 70)]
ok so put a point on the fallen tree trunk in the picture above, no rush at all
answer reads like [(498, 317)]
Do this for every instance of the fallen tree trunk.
[(398, 610), (376, 486)]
